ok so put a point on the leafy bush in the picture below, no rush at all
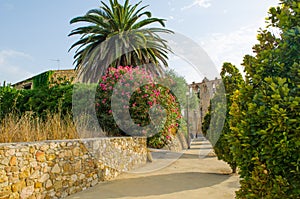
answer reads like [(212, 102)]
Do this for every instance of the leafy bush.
[(8, 100), (147, 100), (39, 101), (265, 111), (232, 80), (146, 96)]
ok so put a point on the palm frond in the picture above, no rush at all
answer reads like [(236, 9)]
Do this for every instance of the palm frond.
[(117, 35)]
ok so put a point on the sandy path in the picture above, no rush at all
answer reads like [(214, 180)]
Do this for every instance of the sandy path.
[(189, 177)]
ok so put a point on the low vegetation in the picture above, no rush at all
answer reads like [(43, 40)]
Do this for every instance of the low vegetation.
[(28, 128), (46, 113)]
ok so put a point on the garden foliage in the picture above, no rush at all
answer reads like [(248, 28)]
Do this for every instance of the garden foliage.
[(42, 80), (232, 80), (265, 114), (117, 34), (39, 101), (140, 102), (45, 100)]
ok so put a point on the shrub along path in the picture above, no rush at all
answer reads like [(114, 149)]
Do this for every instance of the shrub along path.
[(194, 175)]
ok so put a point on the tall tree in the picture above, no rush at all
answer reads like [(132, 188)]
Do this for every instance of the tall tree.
[(119, 35), (265, 111)]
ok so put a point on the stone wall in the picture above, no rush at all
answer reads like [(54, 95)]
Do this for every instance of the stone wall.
[(62, 76), (58, 77), (55, 169), (179, 142)]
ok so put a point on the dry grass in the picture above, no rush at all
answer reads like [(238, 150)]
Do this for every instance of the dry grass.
[(28, 128)]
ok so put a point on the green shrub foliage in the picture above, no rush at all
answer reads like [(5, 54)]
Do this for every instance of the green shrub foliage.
[(39, 101), (8, 100), (232, 79), (146, 96), (58, 99), (42, 80), (265, 111)]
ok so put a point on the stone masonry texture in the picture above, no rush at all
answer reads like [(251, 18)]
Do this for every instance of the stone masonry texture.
[(56, 169)]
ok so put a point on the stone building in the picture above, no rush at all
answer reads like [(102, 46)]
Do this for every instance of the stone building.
[(49, 78), (205, 91)]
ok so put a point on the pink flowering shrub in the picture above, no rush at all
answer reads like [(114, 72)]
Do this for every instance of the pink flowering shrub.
[(146, 96)]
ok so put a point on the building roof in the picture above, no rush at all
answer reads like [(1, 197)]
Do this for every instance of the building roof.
[(28, 83), (30, 78)]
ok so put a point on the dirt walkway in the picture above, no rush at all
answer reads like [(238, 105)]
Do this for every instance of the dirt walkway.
[(193, 176)]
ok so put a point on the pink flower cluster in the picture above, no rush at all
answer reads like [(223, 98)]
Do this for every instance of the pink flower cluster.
[(150, 93)]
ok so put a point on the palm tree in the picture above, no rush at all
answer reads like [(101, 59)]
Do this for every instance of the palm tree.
[(117, 35)]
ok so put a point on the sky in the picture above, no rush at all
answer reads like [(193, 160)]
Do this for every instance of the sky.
[(34, 34)]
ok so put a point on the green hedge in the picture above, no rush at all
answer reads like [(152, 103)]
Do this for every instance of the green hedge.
[(265, 112), (39, 101), (232, 80), (58, 99)]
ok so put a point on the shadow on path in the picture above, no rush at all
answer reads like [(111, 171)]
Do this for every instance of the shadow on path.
[(193, 156), (153, 185), (188, 174)]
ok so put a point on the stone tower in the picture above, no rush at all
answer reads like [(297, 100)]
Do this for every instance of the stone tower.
[(205, 91)]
